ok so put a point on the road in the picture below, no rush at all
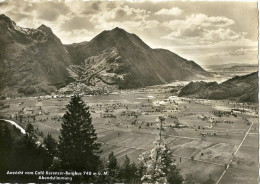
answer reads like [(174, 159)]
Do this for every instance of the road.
[(15, 124), (235, 153)]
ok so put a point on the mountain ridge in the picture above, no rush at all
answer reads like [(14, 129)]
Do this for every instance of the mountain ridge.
[(41, 64), (244, 88), (146, 66), (33, 61)]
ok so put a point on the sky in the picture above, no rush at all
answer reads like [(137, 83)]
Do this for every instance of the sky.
[(209, 33)]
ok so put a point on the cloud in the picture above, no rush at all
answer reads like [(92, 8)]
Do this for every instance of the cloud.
[(76, 23), (95, 5), (250, 52), (206, 21), (41, 10), (202, 36), (75, 36), (124, 16), (51, 10), (3, 3), (18, 16), (198, 20), (172, 11), (89, 8), (193, 31), (222, 35), (129, 26), (199, 29), (120, 13)]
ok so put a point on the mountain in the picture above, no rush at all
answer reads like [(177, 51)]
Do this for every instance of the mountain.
[(129, 62), (232, 67), (34, 61), (243, 88), (31, 60)]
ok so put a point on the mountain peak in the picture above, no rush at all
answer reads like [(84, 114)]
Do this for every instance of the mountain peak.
[(45, 28), (6, 20), (118, 29), (4, 17)]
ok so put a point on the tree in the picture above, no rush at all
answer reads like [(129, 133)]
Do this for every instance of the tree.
[(159, 165), (112, 166), (50, 144), (113, 170), (6, 145), (158, 162), (140, 171), (78, 148), (29, 153), (127, 171), (134, 172)]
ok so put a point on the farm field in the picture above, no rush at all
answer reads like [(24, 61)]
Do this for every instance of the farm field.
[(204, 135)]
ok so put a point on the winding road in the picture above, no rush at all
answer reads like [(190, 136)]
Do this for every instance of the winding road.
[(15, 124)]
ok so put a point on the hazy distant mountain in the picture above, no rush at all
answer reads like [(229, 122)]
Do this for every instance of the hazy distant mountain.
[(31, 60), (134, 63), (232, 67), (243, 88), (34, 61)]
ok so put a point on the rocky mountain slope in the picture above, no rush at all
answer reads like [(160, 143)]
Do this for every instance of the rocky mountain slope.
[(243, 88), (134, 63), (34, 61), (31, 60)]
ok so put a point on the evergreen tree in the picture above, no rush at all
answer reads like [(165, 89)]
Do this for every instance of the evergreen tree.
[(29, 154), (134, 172), (112, 166), (103, 178), (78, 148), (30, 132), (126, 171), (159, 165), (6, 145), (50, 144), (23, 153), (140, 171)]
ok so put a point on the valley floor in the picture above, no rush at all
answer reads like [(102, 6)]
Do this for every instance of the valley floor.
[(206, 136)]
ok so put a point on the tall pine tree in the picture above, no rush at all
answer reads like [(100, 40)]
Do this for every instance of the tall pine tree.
[(50, 144), (78, 148), (112, 166)]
